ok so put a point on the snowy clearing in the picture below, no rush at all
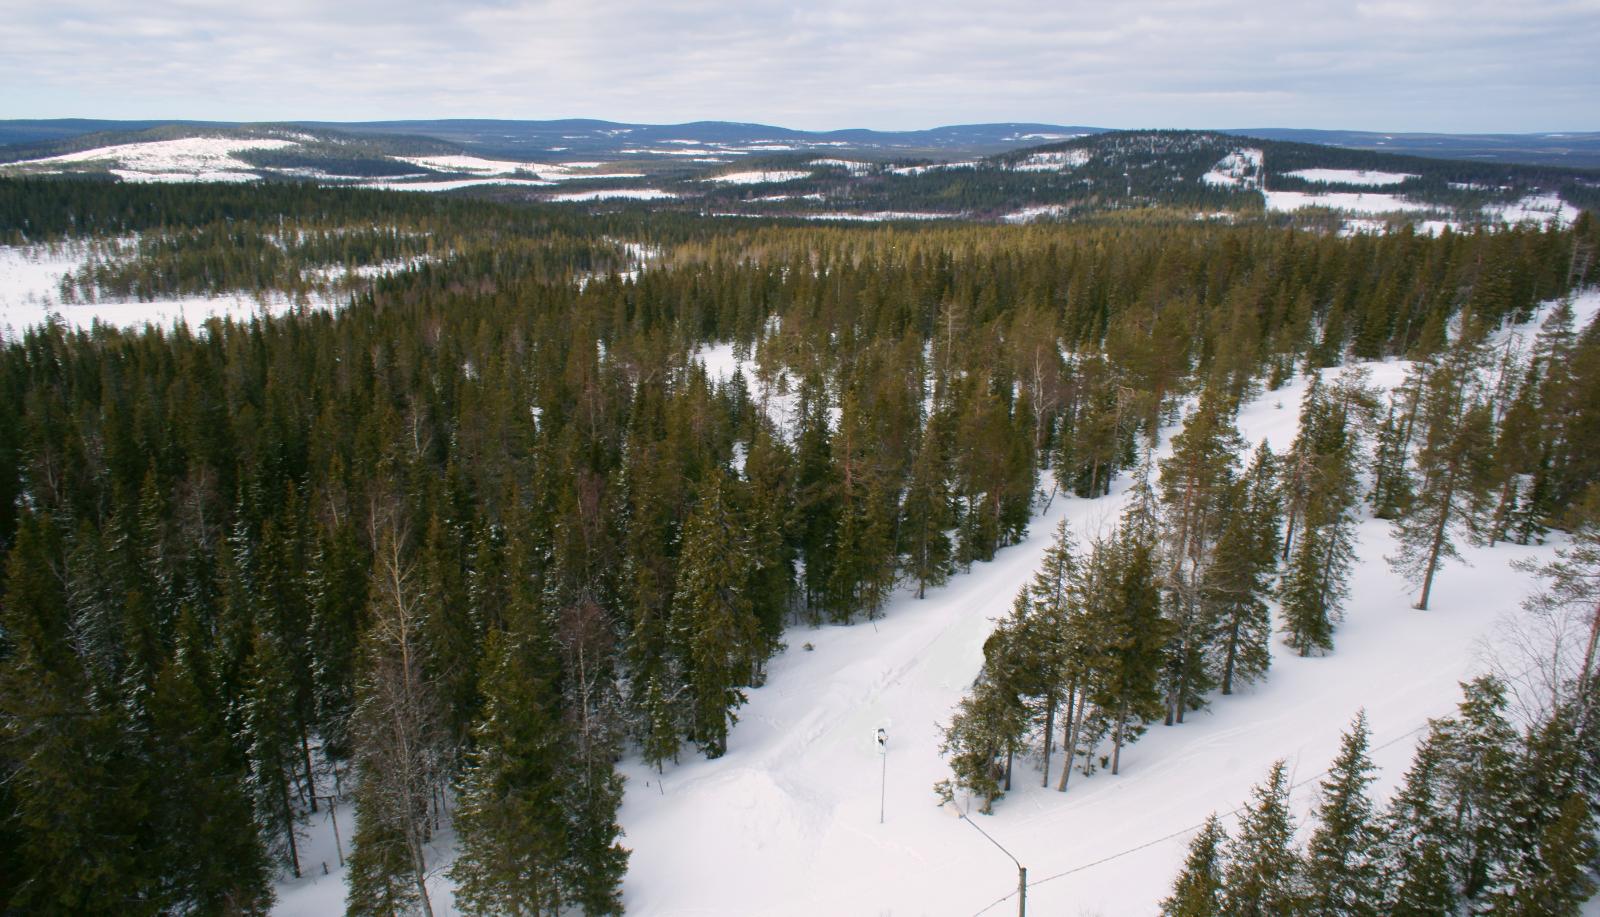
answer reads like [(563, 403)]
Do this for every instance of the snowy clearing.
[(454, 184), (880, 216), (757, 178), (1350, 176), (605, 194), (932, 167), (853, 166), (1039, 212), (1348, 201), (1540, 209), (30, 295), (468, 164)]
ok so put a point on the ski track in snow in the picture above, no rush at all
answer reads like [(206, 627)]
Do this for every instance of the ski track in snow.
[(786, 823)]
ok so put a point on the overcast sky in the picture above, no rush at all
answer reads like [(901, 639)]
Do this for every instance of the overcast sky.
[(1392, 65)]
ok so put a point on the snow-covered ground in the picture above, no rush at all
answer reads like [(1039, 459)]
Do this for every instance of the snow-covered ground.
[(1350, 176), (787, 822), (1541, 209), (30, 293), (932, 167)]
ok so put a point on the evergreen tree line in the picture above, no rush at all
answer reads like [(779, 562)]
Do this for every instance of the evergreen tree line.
[(451, 552)]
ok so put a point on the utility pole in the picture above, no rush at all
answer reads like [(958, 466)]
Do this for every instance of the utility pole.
[(883, 785), (1022, 871), (333, 814)]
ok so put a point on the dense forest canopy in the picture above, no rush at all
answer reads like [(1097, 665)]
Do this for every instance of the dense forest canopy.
[(471, 538)]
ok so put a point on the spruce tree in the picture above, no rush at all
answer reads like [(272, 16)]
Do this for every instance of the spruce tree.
[(1236, 587), (1341, 871), (1556, 881), (1263, 875), (1457, 436), (512, 837), (1198, 891), (714, 625)]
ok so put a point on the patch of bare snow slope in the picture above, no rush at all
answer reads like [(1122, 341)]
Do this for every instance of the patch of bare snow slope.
[(787, 821)]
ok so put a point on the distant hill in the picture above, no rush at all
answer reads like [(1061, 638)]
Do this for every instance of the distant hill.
[(611, 139)]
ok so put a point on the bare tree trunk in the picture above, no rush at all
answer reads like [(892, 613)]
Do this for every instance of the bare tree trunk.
[(1049, 734), (311, 780)]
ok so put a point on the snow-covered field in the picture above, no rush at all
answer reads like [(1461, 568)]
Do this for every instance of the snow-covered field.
[(1350, 176), (787, 822)]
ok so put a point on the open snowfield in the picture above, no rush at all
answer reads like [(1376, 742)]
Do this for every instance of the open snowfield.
[(787, 822)]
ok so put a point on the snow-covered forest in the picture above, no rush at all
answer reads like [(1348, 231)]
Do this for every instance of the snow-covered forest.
[(528, 574)]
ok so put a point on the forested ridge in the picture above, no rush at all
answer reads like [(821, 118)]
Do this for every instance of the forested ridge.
[(471, 539)]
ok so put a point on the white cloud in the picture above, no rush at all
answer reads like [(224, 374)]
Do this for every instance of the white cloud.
[(1387, 64)]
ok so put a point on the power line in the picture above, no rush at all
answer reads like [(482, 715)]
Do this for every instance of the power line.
[(1180, 832)]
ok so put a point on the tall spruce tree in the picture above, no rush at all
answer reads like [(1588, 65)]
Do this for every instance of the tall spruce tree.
[(714, 624), (1456, 441), (1341, 873), (1263, 875)]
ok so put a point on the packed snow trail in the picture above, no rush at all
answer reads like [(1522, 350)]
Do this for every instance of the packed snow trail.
[(787, 821)]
